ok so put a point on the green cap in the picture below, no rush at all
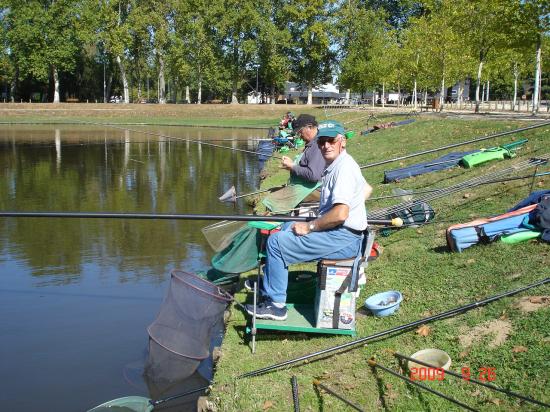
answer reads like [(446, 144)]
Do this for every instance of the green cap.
[(330, 128)]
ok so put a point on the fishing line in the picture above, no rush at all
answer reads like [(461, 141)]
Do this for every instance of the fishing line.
[(455, 145), (112, 143), (200, 142)]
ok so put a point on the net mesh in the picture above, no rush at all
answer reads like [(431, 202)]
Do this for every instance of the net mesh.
[(220, 234), (241, 255), (291, 195), (180, 335)]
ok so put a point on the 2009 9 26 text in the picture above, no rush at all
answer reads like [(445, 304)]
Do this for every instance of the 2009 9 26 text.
[(484, 374)]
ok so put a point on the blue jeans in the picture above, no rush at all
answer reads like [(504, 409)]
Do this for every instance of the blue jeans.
[(285, 248)]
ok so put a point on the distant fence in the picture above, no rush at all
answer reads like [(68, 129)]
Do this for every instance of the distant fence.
[(499, 105), (525, 106)]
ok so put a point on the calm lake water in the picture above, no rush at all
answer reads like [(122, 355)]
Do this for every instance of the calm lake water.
[(77, 295)]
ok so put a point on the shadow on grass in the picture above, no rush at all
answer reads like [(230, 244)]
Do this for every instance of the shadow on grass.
[(320, 401), (412, 388), (380, 386)]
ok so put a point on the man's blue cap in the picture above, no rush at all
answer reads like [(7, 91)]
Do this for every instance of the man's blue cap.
[(330, 128)]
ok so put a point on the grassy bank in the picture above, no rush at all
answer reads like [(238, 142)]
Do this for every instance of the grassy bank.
[(175, 115), (511, 335)]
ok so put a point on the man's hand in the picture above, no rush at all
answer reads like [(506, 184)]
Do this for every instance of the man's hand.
[(301, 228), (287, 163)]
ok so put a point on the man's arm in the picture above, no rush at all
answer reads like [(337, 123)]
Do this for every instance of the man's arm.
[(315, 164), (334, 217)]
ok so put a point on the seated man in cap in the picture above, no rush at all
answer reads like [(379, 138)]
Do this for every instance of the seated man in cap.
[(335, 234), (311, 164)]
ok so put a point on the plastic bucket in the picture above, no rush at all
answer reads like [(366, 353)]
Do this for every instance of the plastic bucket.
[(435, 357), (385, 303)]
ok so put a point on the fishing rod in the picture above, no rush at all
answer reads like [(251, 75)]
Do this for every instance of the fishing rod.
[(355, 343), (418, 192), (200, 142), (231, 194), (241, 218), (487, 385), (145, 404), (533, 162), (336, 395), (438, 149), (373, 364), (113, 142)]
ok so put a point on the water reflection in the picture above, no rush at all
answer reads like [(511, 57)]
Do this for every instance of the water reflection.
[(76, 294)]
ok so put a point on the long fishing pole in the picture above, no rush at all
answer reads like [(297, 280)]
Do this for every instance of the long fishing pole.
[(180, 395), (438, 149), (461, 186), (241, 218), (337, 395), (231, 194), (200, 142), (372, 363), (356, 342), (114, 142), (487, 385), (419, 192)]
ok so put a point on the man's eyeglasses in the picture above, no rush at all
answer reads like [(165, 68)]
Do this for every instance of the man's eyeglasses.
[(301, 129), (321, 141)]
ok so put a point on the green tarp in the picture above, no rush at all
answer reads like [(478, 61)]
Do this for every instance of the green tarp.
[(289, 196)]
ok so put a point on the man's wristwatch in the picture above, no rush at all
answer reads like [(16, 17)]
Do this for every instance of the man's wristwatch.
[(311, 226)]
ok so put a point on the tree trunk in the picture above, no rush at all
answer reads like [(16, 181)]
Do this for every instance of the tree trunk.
[(483, 93), (373, 97), (415, 94), (460, 97), (162, 84), (235, 86), (309, 94), (199, 92), (516, 75), (55, 84), (187, 98), (487, 95), (479, 69), (124, 79), (442, 94), (348, 94), (13, 86), (398, 94), (537, 77), (426, 97), (234, 99), (383, 99), (109, 82), (273, 97)]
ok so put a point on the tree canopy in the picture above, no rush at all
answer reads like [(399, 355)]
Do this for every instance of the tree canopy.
[(224, 50)]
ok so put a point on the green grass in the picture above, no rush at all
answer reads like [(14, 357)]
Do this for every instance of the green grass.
[(432, 280)]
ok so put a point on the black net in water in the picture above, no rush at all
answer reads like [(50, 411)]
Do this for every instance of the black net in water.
[(180, 335)]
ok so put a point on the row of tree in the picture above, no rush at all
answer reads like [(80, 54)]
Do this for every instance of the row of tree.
[(221, 49)]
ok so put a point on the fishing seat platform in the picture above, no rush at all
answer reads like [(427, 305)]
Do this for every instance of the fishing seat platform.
[(300, 318), (333, 310)]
